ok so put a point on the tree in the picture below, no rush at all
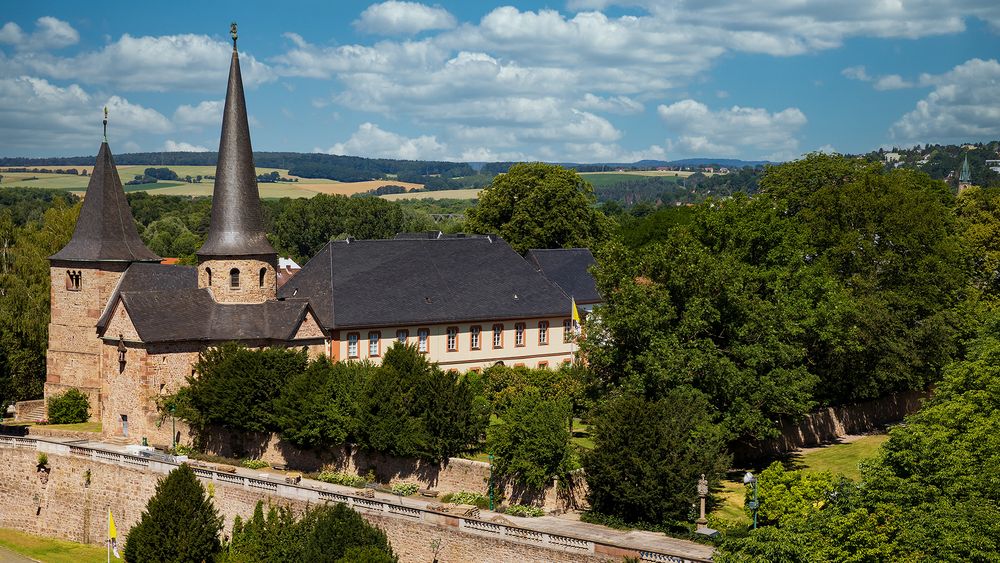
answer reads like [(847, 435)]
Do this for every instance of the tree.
[(537, 205), (320, 406), (179, 523), (170, 237), (649, 455), (530, 442), (68, 408)]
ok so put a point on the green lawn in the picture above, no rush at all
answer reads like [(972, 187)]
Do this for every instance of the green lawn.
[(840, 458), (78, 427), (51, 550)]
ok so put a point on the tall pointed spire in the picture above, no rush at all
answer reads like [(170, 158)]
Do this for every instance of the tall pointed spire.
[(965, 177), (236, 228), (105, 230)]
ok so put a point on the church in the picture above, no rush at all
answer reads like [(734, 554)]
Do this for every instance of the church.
[(126, 329)]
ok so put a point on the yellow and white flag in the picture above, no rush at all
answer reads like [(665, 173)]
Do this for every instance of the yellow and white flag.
[(113, 535), (576, 316)]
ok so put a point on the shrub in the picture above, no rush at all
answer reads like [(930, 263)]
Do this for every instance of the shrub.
[(465, 497), (255, 464), (179, 523), (43, 460), (69, 408), (531, 443), (340, 478), (405, 489), (525, 511)]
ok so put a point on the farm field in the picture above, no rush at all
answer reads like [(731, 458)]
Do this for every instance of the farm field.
[(305, 187), (471, 193)]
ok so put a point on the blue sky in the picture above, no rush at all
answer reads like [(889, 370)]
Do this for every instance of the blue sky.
[(580, 80)]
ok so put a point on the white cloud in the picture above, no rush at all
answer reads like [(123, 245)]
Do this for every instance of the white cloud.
[(208, 112), (964, 106), (733, 131), (403, 18), (50, 33), (892, 82), (856, 73), (175, 146), (36, 114), (373, 142), (148, 63), (611, 104)]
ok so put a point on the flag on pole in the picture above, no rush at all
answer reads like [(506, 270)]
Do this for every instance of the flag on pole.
[(576, 316), (113, 535)]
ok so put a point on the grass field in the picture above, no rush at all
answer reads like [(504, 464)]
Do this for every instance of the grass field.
[(471, 193), (50, 550)]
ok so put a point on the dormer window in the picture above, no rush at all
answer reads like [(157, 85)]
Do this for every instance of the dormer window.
[(73, 280), (263, 274), (234, 278)]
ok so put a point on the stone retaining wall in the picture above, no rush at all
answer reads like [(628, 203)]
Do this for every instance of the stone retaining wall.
[(72, 498)]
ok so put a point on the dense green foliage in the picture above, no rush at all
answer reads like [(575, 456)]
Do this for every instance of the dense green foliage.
[(649, 455), (334, 534), (836, 283), (530, 442), (539, 205), (69, 408), (405, 407), (179, 523)]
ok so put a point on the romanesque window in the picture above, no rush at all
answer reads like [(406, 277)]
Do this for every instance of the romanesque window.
[(208, 272), (263, 274), (543, 332), (234, 278), (474, 333), (373, 343), (519, 334), (453, 339), (73, 279), (352, 345), (498, 336)]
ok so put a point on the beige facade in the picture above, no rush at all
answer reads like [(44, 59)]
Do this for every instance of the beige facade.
[(533, 343)]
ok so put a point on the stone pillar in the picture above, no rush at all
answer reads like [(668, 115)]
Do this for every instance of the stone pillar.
[(702, 493)]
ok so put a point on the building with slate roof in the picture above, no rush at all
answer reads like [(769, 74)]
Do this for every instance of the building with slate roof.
[(127, 329)]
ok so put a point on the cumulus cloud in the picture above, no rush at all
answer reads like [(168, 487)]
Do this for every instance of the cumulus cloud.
[(50, 33), (611, 104), (892, 82), (180, 146), (208, 112), (963, 106), (148, 63), (734, 131), (36, 114), (856, 73), (403, 18), (372, 141)]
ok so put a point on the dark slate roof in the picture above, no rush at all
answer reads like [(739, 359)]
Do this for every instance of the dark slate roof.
[(406, 282), (105, 230), (569, 268), (165, 305), (236, 228)]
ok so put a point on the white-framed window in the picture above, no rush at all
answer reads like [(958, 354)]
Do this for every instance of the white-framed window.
[(402, 335), (543, 332), (498, 336), (519, 334), (567, 330), (452, 339), (352, 345), (373, 343), (474, 333), (423, 340)]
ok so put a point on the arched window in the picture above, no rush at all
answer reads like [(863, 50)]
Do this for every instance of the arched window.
[(234, 278), (209, 272), (73, 278), (263, 273)]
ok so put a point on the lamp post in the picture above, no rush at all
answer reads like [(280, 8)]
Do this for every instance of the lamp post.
[(750, 479)]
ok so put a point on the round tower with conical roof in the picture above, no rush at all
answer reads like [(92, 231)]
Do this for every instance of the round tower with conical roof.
[(237, 263), (83, 276)]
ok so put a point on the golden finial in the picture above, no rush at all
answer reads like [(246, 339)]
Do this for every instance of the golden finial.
[(232, 33), (105, 124)]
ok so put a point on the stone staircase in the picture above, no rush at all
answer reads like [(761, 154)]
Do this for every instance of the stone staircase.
[(117, 440), (30, 411)]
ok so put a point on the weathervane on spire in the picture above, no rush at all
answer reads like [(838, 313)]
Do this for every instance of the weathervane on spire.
[(105, 124), (232, 32)]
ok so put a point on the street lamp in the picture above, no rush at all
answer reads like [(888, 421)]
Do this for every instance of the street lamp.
[(750, 479)]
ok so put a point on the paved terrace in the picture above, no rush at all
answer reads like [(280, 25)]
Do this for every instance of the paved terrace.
[(555, 533)]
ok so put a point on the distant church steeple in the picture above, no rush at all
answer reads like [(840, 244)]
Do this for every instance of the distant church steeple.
[(237, 262), (965, 177), (105, 230)]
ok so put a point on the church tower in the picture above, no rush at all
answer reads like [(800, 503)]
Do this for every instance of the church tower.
[(237, 263), (84, 274), (965, 177)]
